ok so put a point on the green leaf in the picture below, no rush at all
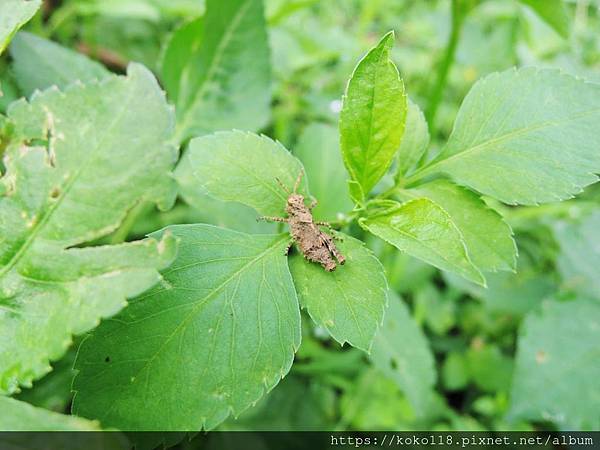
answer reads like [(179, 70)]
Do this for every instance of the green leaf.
[(487, 236), (241, 167), (13, 15), (53, 392), (424, 230), (220, 332), (372, 118), (579, 257), (455, 372), (20, 416), (40, 63), (414, 141), (554, 12), (401, 352), (318, 149), (349, 302), (557, 370), (206, 209), (225, 80), (525, 136), (489, 368), (434, 309), (68, 182)]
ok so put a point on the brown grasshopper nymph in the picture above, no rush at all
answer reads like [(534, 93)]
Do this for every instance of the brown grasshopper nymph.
[(316, 245)]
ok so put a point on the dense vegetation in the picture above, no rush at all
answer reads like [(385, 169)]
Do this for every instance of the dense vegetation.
[(454, 156)]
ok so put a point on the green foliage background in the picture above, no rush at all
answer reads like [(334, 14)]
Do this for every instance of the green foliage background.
[(212, 336)]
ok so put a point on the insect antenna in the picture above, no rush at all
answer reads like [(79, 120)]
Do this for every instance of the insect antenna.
[(297, 184), (283, 186)]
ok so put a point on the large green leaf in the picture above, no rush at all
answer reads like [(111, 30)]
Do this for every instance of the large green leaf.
[(554, 12), (67, 182), (488, 238), (579, 257), (319, 150), (241, 167), (372, 118), (401, 352), (13, 15), (20, 416), (424, 230), (414, 141), (210, 341), (349, 302), (525, 136), (40, 63), (557, 371), (225, 79)]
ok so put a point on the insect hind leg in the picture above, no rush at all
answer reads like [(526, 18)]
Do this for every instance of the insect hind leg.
[(272, 219), (298, 180), (328, 240)]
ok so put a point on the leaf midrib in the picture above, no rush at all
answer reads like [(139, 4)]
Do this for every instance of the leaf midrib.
[(415, 239), (502, 138), (206, 298), (39, 226), (215, 63)]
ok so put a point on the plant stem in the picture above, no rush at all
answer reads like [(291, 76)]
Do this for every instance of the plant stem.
[(442, 74), (121, 234)]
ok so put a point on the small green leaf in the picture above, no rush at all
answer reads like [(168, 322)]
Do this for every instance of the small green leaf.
[(525, 136), (349, 302), (414, 141), (242, 167), (455, 372), (40, 63), (554, 12), (424, 230), (401, 352), (68, 182), (487, 236), (20, 416), (579, 257), (557, 371), (13, 15), (435, 309), (318, 149), (220, 332), (224, 80), (489, 368), (372, 118)]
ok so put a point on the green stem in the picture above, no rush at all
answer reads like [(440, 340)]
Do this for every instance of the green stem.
[(122, 233), (440, 86)]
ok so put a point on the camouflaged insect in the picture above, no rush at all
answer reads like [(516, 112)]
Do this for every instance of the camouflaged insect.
[(316, 245)]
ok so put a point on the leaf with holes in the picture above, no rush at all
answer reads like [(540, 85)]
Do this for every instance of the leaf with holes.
[(220, 332), (68, 182)]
